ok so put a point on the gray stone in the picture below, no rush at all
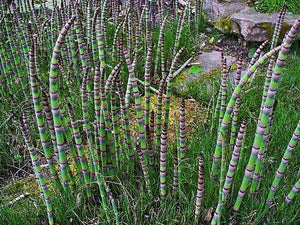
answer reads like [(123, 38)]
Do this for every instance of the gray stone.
[(234, 16), (208, 61), (231, 76), (181, 2), (208, 30), (218, 10), (48, 4), (258, 27)]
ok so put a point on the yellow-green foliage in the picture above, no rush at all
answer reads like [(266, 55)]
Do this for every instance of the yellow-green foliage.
[(180, 78), (194, 114), (270, 29), (27, 184), (284, 29), (224, 24), (267, 27)]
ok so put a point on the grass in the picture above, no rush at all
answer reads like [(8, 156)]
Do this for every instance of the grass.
[(128, 187), (10, 135), (130, 194), (270, 6), (11, 153)]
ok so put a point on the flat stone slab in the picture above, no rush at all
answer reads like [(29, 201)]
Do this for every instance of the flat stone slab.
[(208, 61), (258, 27), (231, 76), (234, 16), (218, 10), (48, 4)]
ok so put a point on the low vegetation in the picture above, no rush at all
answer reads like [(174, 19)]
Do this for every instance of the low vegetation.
[(89, 100), (270, 6)]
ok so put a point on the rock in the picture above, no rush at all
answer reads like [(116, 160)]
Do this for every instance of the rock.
[(234, 16), (48, 4), (208, 30), (258, 27), (219, 12), (231, 76), (208, 61), (181, 2)]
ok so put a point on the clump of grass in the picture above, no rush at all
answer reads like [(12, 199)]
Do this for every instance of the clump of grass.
[(103, 160), (271, 6), (82, 48)]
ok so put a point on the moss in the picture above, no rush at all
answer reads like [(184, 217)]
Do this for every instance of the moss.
[(180, 78), (224, 24), (233, 67), (270, 29), (21, 186), (267, 27), (194, 113), (284, 29)]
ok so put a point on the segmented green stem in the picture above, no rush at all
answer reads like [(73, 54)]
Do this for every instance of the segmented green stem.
[(125, 119), (234, 121), (38, 110), (263, 121), (176, 154), (163, 164), (147, 85), (293, 192), (182, 139), (229, 109), (179, 29), (223, 88), (54, 101), (284, 162), (38, 170), (106, 113), (141, 129), (263, 147), (200, 187), (79, 146), (168, 88), (230, 172)]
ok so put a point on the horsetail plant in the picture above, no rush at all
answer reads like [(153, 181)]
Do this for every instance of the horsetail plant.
[(147, 86), (82, 158), (160, 46), (141, 129), (263, 122), (39, 113), (151, 138), (225, 122), (168, 87), (162, 166), (223, 87), (200, 188), (105, 113), (293, 192), (87, 126), (37, 167), (54, 101), (282, 167), (176, 157), (87, 132), (116, 129), (182, 140), (231, 170), (263, 147)]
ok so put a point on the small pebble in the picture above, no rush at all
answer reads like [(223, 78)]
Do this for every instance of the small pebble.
[(208, 29)]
